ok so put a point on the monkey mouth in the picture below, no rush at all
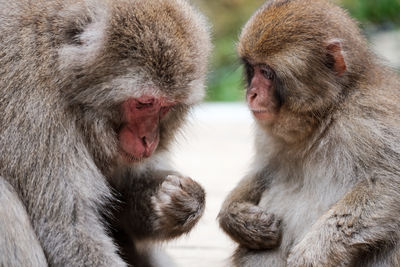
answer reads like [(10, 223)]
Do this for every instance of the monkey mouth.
[(259, 111), (263, 114)]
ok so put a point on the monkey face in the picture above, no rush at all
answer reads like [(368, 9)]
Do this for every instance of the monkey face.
[(296, 67), (140, 133), (262, 93), (134, 70)]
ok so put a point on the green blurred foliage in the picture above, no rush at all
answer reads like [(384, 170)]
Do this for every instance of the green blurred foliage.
[(227, 17), (374, 11)]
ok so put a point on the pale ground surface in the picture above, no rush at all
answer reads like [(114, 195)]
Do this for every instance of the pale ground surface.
[(387, 45), (216, 152)]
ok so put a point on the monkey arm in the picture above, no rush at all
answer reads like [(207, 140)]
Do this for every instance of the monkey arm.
[(366, 218), (61, 224), (158, 205), (19, 245), (249, 189), (244, 221)]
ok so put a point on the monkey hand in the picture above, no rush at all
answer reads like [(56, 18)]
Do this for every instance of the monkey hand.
[(178, 205), (315, 250), (323, 245), (251, 226), (306, 255)]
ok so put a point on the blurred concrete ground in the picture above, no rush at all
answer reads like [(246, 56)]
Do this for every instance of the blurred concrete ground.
[(387, 45), (215, 150)]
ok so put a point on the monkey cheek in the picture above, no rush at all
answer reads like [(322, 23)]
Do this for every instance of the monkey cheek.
[(134, 148), (263, 107), (266, 115)]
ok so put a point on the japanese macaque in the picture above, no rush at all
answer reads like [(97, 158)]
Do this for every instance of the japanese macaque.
[(91, 96), (325, 186)]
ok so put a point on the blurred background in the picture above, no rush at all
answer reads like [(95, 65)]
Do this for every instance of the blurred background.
[(380, 19), (216, 147)]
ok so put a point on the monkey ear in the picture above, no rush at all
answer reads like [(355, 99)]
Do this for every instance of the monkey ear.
[(335, 56), (84, 35)]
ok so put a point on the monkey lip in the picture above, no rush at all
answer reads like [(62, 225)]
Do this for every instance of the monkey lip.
[(263, 115), (128, 157), (137, 156)]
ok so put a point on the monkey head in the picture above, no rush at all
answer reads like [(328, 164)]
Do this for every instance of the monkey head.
[(133, 68), (300, 60)]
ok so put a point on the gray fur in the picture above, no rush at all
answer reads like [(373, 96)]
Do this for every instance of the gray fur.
[(17, 235), (66, 66)]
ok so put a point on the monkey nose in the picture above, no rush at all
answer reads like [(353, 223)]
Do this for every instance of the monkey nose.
[(149, 143), (252, 95)]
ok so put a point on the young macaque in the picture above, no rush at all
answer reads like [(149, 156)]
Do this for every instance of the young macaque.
[(91, 96), (324, 189)]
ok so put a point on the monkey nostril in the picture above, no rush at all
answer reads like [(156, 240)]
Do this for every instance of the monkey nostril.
[(252, 97), (144, 141)]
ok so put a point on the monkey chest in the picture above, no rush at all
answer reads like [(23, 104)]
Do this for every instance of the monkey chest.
[(299, 205)]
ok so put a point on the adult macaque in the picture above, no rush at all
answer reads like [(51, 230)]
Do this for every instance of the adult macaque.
[(325, 186), (91, 95)]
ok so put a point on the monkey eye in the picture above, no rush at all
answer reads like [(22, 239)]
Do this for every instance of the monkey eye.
[(267, 72), (144, 104)]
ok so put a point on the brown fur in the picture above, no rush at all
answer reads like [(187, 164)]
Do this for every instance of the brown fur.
[(328, 166)]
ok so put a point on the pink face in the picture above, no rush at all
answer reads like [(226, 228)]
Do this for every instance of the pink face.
[(140, 132), (260, 94)]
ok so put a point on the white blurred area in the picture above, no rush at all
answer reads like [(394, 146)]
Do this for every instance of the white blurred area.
[(387, 46), (216, 150)]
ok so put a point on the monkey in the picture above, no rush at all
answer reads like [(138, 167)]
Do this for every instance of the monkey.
[(92, 95), (324, 185)]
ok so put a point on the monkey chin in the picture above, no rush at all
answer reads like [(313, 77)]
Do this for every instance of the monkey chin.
[(129, 159)]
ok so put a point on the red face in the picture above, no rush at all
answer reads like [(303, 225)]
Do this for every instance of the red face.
[(261, 96), (140, 132)]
